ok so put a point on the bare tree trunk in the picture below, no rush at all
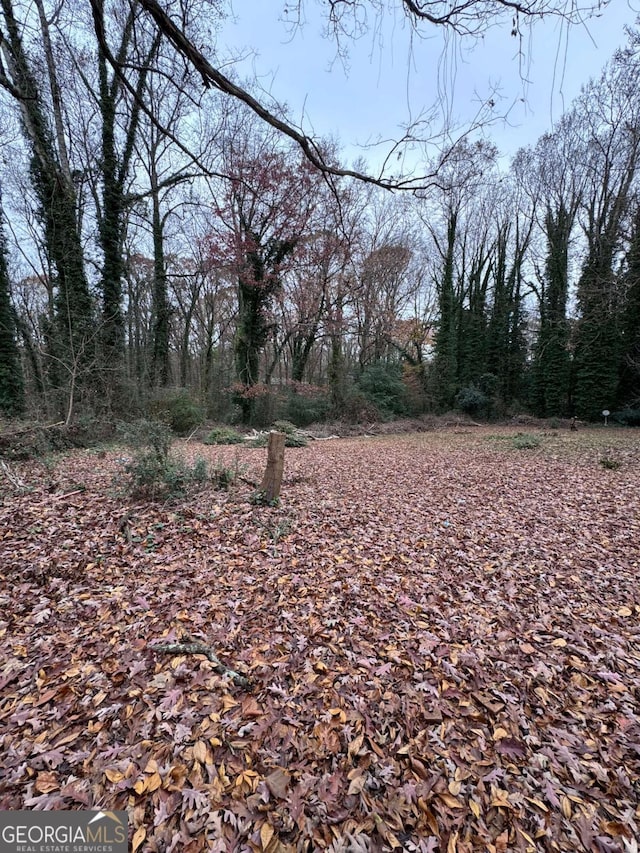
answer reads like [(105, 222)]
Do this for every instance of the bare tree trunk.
[(272, 479)]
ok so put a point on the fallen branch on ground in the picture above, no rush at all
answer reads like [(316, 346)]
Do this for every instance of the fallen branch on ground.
[(77, 491), (12, 477), (200, 649)]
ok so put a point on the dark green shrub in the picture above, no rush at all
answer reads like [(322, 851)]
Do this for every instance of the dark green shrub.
[(472, 401), (627, 417), (305, 404), (224, 435), (294, 437), (488, 384), (148, 435), (179, 477), (382, 385), (183, 414), (296, 440), (284, 426)]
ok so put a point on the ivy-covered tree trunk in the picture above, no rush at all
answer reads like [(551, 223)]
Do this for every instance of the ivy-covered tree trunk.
[(74, 334), (255, 290), (551, 362), (506, 347), (446, 346), (514, 381), (302, 346), (160, 367), (472, 322), (115, 166), (613, 146), (336, 367), (110, 232), (11, 379), (598, 342), (629, 384)]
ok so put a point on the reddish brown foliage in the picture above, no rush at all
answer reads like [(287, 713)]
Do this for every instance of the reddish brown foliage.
[(441, 634)]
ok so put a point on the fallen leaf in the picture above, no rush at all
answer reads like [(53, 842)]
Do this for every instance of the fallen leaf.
[(266, 834), (113, 775), (201, 752), (47, 782), (138, 837), (278, 783), (451, 801)]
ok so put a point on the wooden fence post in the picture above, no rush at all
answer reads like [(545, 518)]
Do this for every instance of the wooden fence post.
[(275, 465)]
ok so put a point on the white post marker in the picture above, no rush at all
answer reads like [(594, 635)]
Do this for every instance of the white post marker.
[(606, 414)]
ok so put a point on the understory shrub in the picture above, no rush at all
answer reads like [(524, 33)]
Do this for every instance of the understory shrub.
[(357, 409), (183, 414), (472, 401), (294, 438), (526, 441), (284, 426), (179, 411), (382, 385), (153, 471), (224, 476), (261, 439), (627, 417), (223, 435), (304, 404), (610, 464)]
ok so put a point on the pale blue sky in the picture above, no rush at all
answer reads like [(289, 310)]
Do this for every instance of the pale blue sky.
[(392, 78)]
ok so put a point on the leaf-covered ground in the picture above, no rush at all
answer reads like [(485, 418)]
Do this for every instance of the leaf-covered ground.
[(441, 633)]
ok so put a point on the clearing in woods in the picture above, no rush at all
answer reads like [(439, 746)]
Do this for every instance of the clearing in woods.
[(440, 633)]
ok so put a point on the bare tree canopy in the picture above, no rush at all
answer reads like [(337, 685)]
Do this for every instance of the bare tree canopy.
[(345, 20), (469, 17)]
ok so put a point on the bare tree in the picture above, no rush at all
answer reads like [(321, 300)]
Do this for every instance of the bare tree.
[(347, 19)]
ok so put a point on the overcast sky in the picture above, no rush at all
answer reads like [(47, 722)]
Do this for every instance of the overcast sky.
[(392, 78)]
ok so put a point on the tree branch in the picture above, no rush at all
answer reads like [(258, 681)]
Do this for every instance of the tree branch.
[(193, 648), (212, 77)]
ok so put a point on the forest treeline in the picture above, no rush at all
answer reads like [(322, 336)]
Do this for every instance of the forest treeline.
[(156, 247)]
